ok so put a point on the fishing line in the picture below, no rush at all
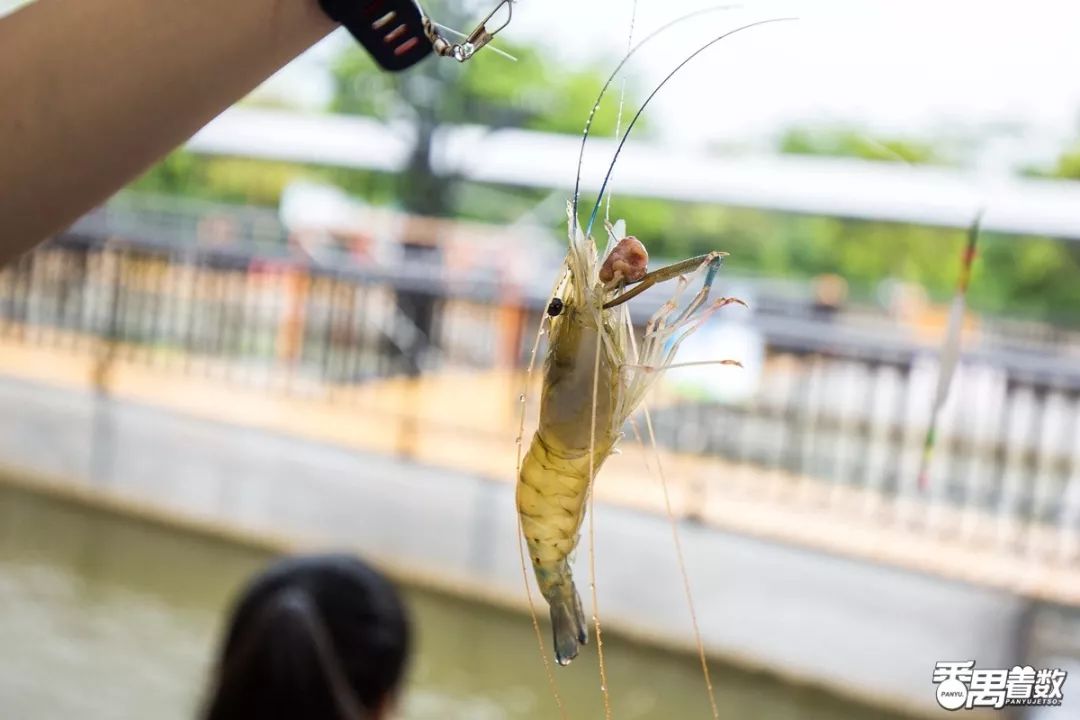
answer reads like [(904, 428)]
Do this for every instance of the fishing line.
[(552, 684), (637, 115), (680, 556), (592, 533), (603, 90), (622, 99)]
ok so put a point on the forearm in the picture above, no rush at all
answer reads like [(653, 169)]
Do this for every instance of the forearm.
[(93, 92)]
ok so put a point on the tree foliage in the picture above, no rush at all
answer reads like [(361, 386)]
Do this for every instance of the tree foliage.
[(1027, 276), (534, 92), (1065, 167), (850, 142), (1020, 276)]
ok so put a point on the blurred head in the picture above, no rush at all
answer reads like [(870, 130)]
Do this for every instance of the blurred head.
[(312, 638)]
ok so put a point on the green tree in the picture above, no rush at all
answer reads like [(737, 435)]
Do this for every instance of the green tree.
[(850, 142), (1065, 167), (534, 92), (489, 90)]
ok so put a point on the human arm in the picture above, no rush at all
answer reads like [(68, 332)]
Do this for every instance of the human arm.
[(93, 93)]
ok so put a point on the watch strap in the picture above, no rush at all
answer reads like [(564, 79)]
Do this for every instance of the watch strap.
[(392, 31)]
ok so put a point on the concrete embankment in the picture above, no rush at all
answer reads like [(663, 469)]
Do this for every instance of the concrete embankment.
[(852, 625)]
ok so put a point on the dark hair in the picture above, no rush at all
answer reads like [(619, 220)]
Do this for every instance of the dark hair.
[(312, 638)]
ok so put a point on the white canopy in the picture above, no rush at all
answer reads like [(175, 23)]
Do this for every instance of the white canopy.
[(820, 186)]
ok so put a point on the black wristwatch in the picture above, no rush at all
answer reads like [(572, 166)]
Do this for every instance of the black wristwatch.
[(392, 31), (398, 34)]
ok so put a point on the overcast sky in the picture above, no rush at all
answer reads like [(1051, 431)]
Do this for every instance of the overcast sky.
[(894, 64), (924, 67), (907, 67)]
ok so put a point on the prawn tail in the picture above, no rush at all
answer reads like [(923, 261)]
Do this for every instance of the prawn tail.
[(551, 493), (567, 622)]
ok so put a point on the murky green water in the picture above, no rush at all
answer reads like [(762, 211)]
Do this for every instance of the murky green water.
[(103, 617)]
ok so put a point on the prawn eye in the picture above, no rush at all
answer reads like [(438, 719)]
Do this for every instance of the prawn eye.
[(555, 307)]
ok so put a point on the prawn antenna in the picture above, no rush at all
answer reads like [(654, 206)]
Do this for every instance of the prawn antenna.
[(611, 78), (633, 120)]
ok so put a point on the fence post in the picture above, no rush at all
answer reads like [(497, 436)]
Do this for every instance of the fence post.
[(291, 329), (101, 434)]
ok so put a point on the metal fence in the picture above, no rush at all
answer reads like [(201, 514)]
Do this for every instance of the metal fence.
[(1007, 467), (255, 314)]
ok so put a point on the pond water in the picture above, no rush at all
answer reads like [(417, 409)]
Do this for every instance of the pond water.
[(103, 617)]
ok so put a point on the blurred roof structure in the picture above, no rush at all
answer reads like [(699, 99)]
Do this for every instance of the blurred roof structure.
[(821, 186)]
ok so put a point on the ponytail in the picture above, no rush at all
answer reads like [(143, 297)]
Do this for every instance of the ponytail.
[(307, 650)]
